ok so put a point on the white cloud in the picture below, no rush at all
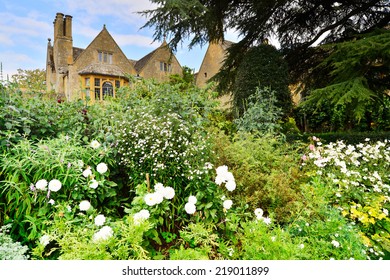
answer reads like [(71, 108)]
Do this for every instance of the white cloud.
[(135, 40), (27, 25), (5, 40), (13, 60), (123, 10)]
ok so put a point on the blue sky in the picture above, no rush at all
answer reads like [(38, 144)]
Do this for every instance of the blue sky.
[(25, 26)]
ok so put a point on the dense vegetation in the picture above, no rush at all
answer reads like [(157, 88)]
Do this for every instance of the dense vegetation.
[(161, 172)]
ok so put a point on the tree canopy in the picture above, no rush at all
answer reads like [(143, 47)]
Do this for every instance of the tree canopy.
[(296, 24), (262, 66), (33, 80)]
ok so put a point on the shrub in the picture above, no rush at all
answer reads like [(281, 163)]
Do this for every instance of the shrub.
[(73, 234), (28, 169), (9, 249), (262, 114), (166, 147), (357, 177), (266, 170), (262, 66)]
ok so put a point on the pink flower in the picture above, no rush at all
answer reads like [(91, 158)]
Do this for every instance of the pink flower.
[(304, 158), (312, 147)]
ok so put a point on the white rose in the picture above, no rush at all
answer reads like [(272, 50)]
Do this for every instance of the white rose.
[(99, 220), (41, 185), (93, 184), (190, 208), (102, 168), (54, 185), (227, 204), (84, 205)]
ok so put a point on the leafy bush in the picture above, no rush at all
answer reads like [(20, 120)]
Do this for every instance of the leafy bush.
[(166, 147), (266, 169), (357, 177), (77, 235), (9, 249), (262, 114), (262, 66), (28, 169)]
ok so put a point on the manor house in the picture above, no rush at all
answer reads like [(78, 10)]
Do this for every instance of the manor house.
[(97, 71)]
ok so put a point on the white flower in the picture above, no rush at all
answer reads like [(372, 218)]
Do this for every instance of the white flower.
[(95, 144), (168, 193), (222, 169), (208, 165), (227, 204), (54, 185), (84, 205), (273, 238), (230, 185), (338, 194), (259, 213), (190, 208), (102, 168), (385, 211), (69, 208), (150, 199), (41, 185), (153, 198), (159, 187), (267, 220), (219, 180), (140, 216), (335, 243), (87, 172), (301, 246), (103, 234), (44, 240), (93, 184), (99, 220), (192, 199), (51, 201)]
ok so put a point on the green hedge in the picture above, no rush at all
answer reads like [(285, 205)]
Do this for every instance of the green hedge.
[(347, 137)]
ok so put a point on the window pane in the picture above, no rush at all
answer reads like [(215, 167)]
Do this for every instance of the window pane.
[(87, 82), (97, 82), (105, 57), (117, 84), (100, 55), (97, 93), (87, 93), (110, 58), (107, 89)]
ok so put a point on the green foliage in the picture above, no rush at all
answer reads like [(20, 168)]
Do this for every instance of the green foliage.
[(63, 159), (9, 249), (31, 80), (73, 236), (297, 25), (262, 114), (347, 137), (166, 147), (357, 181), (359, 79), (261, 67), (265, 170)]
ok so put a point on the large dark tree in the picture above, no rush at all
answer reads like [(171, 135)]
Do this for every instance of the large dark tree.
[(262, 66), (296, 24)]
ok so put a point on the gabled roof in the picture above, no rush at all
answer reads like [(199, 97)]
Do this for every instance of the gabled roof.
[(140, 64), (143, 61), (76, 52), (103, 69)]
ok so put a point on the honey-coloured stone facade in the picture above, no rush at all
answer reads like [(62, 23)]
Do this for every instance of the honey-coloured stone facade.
[(97, 71)]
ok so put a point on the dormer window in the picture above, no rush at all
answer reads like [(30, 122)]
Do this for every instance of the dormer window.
[(105, 57)]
